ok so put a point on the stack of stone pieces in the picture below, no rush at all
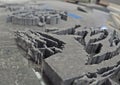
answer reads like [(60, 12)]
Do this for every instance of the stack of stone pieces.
[(32, 17), (102, 76), (92, 40), (106, 56), (95, 48), (100, 56), (18, 20), (114, 41), (38, 45)]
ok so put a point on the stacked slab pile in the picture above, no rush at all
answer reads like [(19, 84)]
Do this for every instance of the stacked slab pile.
[(94, 46), (95, 61), (19, 20), (38, 45), (102, 76), (91, 60), (40, 17)]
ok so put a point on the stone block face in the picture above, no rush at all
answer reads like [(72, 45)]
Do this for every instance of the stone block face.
[(52, 75)]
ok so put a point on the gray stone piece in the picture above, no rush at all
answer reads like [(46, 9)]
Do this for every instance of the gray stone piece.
[(33, 17), (37, 45), (73, 65)]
